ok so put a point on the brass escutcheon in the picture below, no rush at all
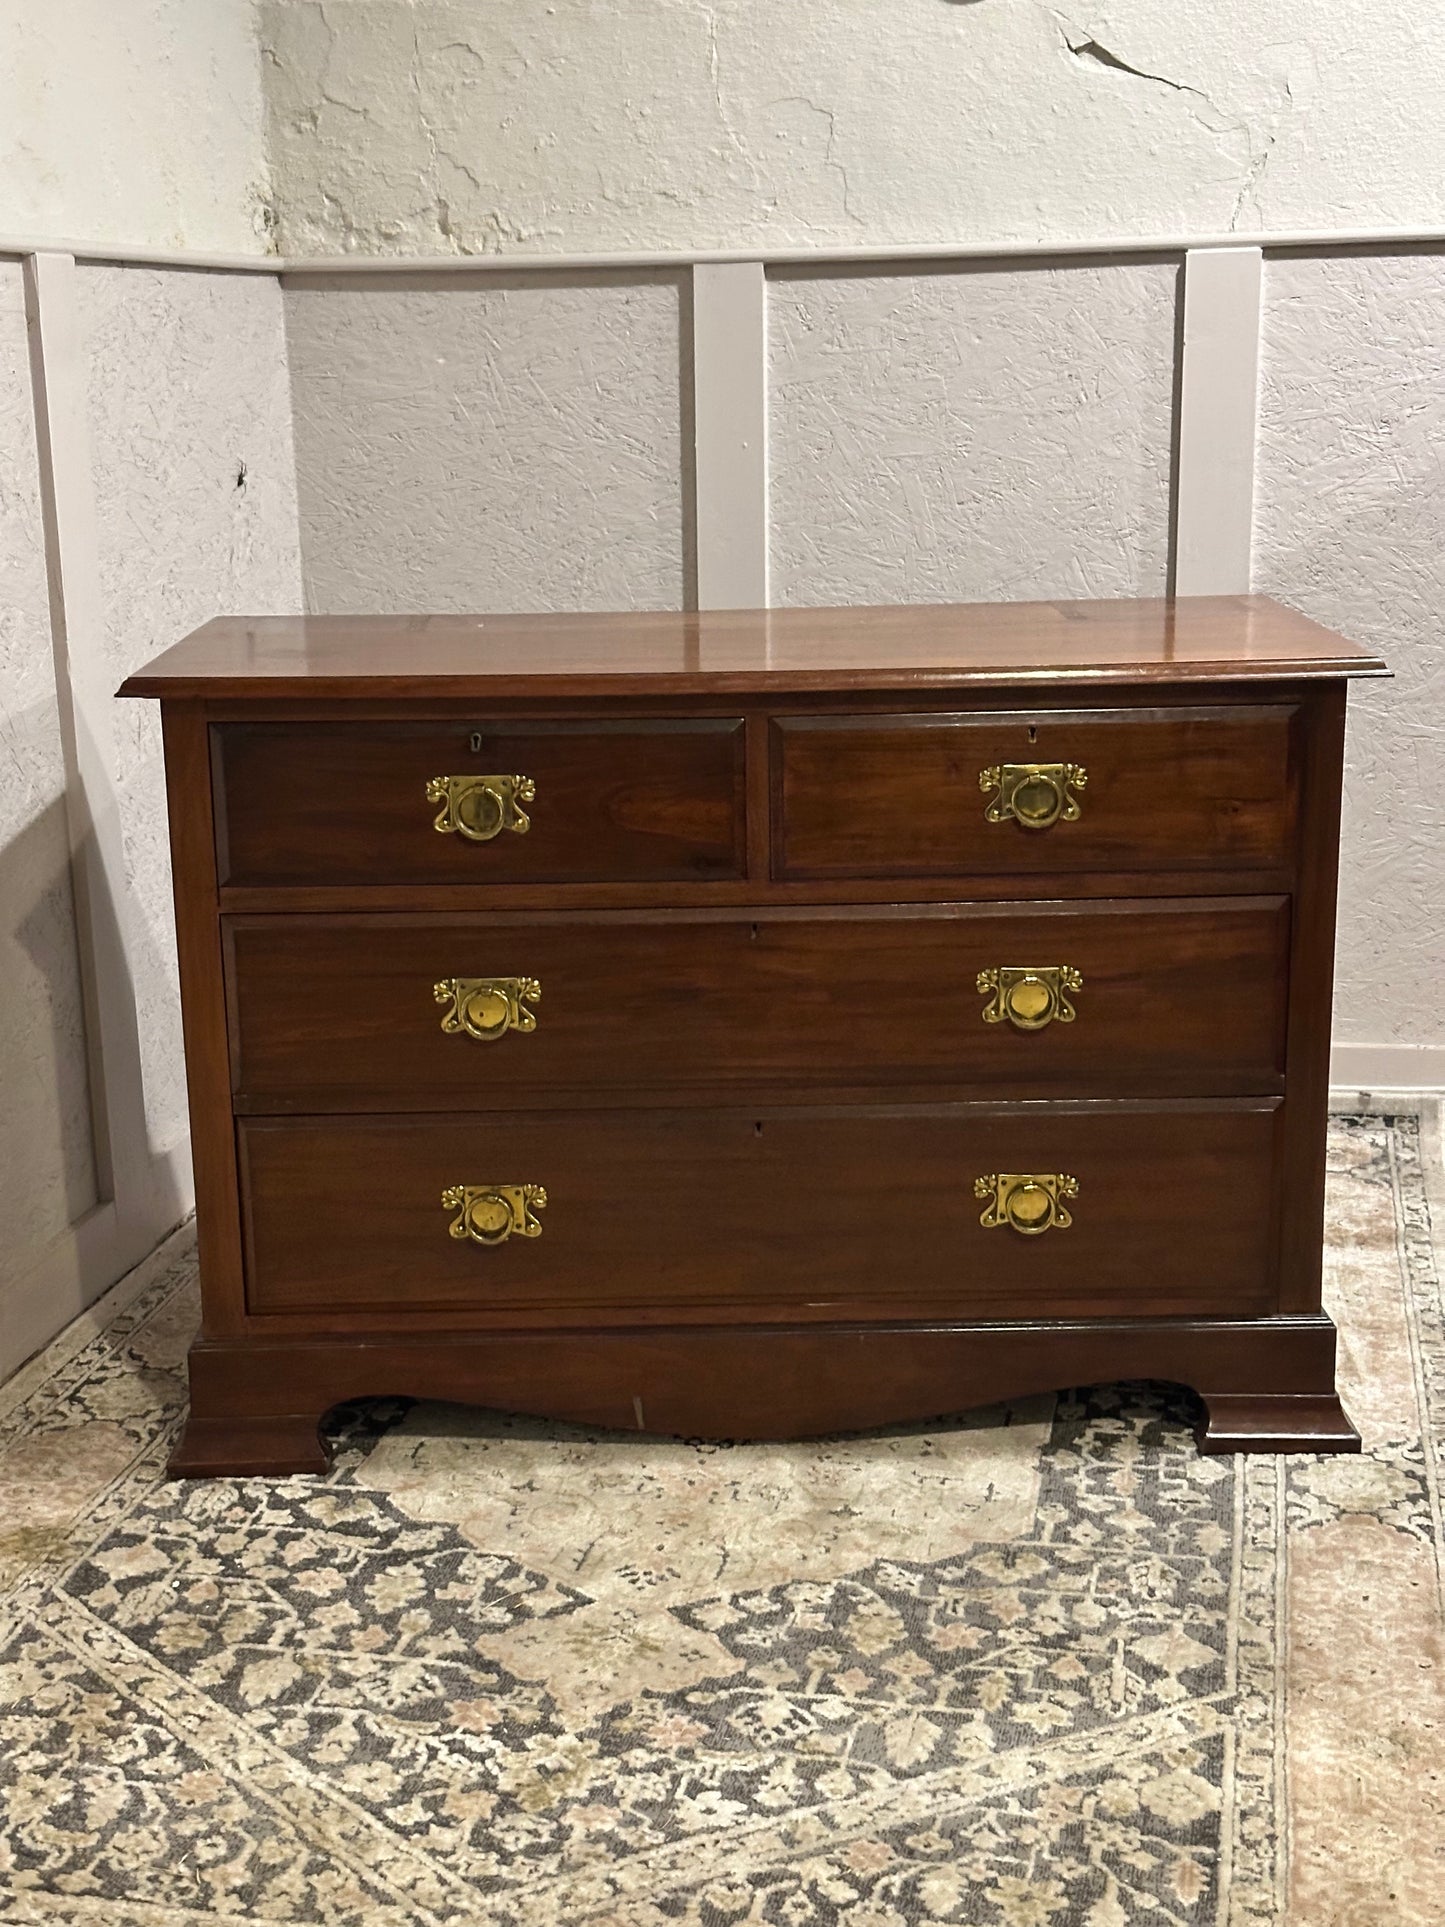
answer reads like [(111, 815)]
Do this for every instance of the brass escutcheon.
[(1034, 794), (487, 1007), (1027, 1201), (489, 1214), (1029, 995), (481, 807)]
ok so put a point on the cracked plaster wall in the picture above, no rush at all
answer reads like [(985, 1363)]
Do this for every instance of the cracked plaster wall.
[(452, 127), (502, 444), (190, 424), (1348, 527), (139, 123), (983, 434), (47, 1169)]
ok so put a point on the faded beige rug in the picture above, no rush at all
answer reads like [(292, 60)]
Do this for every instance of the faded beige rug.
[(1037, 1668)]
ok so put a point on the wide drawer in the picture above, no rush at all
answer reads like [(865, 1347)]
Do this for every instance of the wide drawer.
[(1033, 793), (440, 802), (480, 1011), (813, 1215)]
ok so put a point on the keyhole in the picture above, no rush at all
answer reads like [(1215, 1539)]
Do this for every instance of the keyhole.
[(1033, 732), (475, 742), (753, 932), (757, 1130)]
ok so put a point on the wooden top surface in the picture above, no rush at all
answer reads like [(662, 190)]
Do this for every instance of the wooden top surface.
[(921, 647)]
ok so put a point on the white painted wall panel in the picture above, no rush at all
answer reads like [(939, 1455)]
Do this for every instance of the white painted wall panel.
[(196, 507), (1350, 527), (980, 434), (140, 122), (447, 127), (469, 445), (47, 1171)]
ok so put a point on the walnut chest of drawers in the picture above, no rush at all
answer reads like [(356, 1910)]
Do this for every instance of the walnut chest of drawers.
[(756, 1025)]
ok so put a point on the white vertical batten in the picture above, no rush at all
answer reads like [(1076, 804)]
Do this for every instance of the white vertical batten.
[(730, 429), (139, 1192), (1218, 417), (1387, 1067)]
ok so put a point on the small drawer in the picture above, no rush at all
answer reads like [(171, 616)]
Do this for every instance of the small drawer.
[(648, 1216), (440, 802), (1033, 793), (1114, 999)]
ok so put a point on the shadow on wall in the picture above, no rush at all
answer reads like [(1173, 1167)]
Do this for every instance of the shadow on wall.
[(54, 1167), (46, 1152)]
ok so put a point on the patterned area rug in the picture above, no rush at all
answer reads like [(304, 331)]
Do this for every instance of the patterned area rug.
[(1041, 1667)]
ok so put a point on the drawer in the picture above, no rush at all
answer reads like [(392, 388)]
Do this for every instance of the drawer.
[(346, 803), (798, 1214), (1148, 998), (1119, 791)]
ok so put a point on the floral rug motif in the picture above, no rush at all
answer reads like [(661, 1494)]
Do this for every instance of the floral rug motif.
[(1041, 1666)]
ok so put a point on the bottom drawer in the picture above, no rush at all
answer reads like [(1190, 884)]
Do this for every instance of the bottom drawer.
[(657, 1216)]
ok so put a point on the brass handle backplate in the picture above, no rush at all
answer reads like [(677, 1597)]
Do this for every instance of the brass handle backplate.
[(481, 807), (1034, 794), (1026, 1201), (489, 1214), (487, 1007), (1029, 995)]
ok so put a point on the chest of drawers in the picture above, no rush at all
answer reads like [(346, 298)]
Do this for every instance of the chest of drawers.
[(758, 1024)]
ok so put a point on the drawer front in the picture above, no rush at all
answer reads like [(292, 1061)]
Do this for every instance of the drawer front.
[(651, 1216), (1033, 794), (475, 1012), (435, 802)]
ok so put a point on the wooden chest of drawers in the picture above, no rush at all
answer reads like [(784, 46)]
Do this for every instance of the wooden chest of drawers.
[(757, 1024)]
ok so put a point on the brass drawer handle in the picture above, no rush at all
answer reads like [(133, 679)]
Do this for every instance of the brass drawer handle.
[(487, 1007), (489, 1214), (1034, 794), (1029, 995), (1027, 1201), (481, 807)]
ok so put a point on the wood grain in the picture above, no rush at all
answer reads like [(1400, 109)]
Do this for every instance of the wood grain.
[(1267, 1384), (758, 889), (1169, 642), (1182, 997), (816, 1214), (203, 1017), (1311, 1001), (640, 801), (900, 796)]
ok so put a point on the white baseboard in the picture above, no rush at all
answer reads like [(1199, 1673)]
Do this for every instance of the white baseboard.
[(96, 1316), (172, 1184), (86, 1259), (1387, 1067)]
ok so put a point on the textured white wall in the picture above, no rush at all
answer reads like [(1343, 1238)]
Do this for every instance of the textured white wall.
[(520, 442), (196, 500), (489, 446), (446, 126), (1350, 527), (47, 1174), (971, 435), (139, 122)]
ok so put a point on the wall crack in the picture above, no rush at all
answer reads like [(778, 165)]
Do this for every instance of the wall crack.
[(1083, 46), (323, 78), (1093, 50), (1251, 181), (714, 74), (442, 220), (829, 160)]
